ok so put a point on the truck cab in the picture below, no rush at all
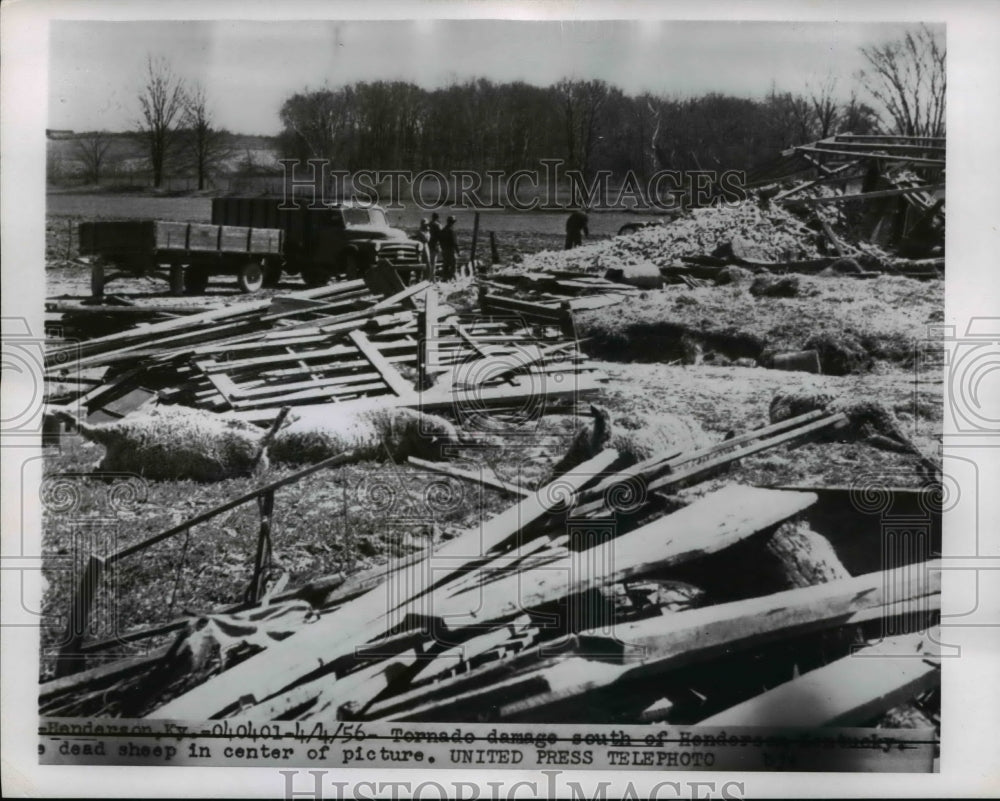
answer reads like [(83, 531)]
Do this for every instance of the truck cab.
[(325, 242)]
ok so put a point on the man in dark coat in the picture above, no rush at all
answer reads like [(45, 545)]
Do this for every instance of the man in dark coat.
[(434, 242), (449, 249), (576, 229)]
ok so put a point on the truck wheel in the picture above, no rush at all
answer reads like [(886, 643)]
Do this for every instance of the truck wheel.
[(272, 275), (195, 279), (315, 276), (250, 276), (350, 263)]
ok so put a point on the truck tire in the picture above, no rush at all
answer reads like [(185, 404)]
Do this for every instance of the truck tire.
[(196, 279), (272, 274), (315, 276), (250, 276), (351, 265)]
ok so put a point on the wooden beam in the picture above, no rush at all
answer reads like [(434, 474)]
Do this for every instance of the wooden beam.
[(448, 469), (851, 691), (700, 634), (879, 193), (708, 525), (878, 156), (399, 385)]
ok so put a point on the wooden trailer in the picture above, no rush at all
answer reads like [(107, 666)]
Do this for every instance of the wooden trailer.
[(185, 254)]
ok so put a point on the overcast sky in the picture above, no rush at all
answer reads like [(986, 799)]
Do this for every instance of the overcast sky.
[(249, 68)]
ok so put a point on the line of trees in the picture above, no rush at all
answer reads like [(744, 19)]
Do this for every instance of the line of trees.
[(591, 125), (483, 125)]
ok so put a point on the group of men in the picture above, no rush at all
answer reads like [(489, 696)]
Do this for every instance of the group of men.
[(441, 242)]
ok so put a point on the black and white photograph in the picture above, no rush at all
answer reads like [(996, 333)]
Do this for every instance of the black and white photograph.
[(551, 394)]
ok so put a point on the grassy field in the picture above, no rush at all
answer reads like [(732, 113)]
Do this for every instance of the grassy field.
[(344, 520)]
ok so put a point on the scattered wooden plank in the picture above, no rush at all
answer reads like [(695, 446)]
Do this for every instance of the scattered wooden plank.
[(699, 634), (851, 691), (447, 469), (708, 525), (270, 672), (390, 374)]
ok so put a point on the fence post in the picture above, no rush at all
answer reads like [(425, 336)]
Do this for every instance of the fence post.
[(494, 253), (265, 503), (71, 658)]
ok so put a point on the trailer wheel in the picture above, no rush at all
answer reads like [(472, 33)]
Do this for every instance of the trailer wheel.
[(272, 274), (196, 279), (97, 279), (250, 276)]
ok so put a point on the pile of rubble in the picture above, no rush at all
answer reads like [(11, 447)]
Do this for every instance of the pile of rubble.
[(767, 233), (602, 597)]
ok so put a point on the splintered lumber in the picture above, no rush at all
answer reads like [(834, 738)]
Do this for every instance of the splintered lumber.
[(664, 643), (851, 691), (699, 464), (461, 400), (658, 465), (389, 374), (840, 151), (699, 634), (190, 323), (708, 525), (319, 644)]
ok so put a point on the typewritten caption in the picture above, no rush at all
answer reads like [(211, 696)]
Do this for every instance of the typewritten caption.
[(440, 745)]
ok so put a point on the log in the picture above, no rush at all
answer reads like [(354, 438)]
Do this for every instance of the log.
[(804, 557)]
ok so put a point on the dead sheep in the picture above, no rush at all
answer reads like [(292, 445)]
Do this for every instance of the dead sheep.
[(376, 434), (176, 443), (636, 437), (867, 421)]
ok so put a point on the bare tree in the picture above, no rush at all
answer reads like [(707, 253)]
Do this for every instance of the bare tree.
[(162, 101), (907, 78), (206, 146), (92, 150), (858, 117), (826, 110)]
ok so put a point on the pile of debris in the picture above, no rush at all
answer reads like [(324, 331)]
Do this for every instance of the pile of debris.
[(603, 597), (336, 344), (875, 200), (768, 234)]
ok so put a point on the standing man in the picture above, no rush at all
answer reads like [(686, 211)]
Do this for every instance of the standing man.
[(423, 235), (576, 229), (449, 249), (434, 239)]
